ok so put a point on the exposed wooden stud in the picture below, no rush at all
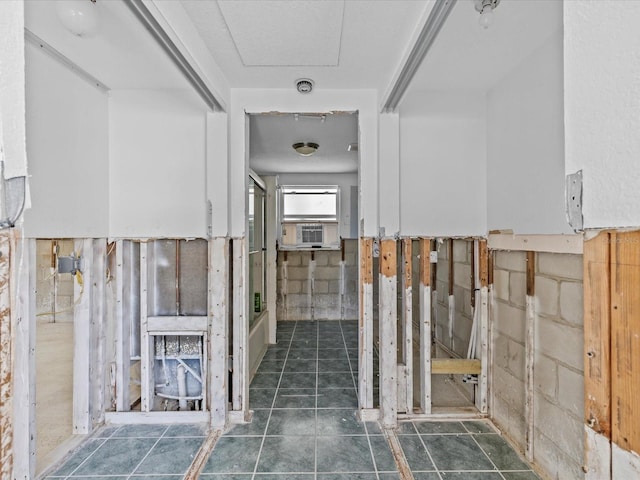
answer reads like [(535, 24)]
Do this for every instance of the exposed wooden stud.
[(597, 333), (6, 361), (23, 289), (483, 281), (123, 333), (404, 470), (490, 266), (219, 331), (530, 348), (407, 321), (484, 264), (425, 325), (388, 332), (98, 335), (455, 366), (452, 299), (240, 392), (82, 335), (365, 327), (147, 380), (472, 279), (285, 285), (625, 341)]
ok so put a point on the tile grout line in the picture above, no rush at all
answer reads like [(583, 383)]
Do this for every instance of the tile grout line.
[(424, 445), (145, 457), (400, 458), (273, 402), (83, 462), (473, 436)]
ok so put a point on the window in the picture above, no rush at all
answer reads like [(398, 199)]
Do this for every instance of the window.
[(309, 216), (310, 203)]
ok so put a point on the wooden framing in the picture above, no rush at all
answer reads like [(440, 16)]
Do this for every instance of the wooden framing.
[(240, 391), (388, 332), (6, 360), (219, 332), (483, 280), (97, 290), (82, 350), (456, 366), (146, 341), (425, 325), (123, 330), (365, 327), (452, 298), (407, 324), (530, 348)]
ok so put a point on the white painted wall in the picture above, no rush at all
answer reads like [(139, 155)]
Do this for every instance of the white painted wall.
[(443, 164), (290, 101), (344, 180), (67, 145), (525, 146), (157, 156), (602, 101)]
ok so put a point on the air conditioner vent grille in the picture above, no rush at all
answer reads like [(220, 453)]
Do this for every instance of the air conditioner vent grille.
[(312, 234)]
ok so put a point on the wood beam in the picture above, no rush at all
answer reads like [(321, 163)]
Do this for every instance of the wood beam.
[(425, 325), (6, 361), (530, 348), (455, 366), (365, 327), (218, 299), (388, 332), (240, 392), (407, 321)]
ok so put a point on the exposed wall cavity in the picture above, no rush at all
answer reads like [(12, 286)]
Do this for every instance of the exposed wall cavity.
[(558, 395), (318, 285)]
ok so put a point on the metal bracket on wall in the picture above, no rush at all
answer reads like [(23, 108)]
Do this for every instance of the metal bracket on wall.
[(573, 198)]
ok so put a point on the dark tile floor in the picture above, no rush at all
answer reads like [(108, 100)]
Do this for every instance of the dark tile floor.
[(304, 428)]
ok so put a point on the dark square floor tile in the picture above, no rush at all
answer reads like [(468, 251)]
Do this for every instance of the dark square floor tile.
[(302, 354), (479, 427), (287, 454), (382, 454), (344, 454), (256, 427), (530, 475), (170, 455), (373, 428), (276, 353), (333, 343), (440, 427), (456, 452), (146, 477), (471, 476), (106, 431), (306, 344), (284, 476), (226, 476), (261, 397), (500, 452), (117, 456), (335, 380), (186, 430), (271, 366), (296, 398), (295, 366), (415, 453), (334, 365), (234, 455), (292, 422), (406, 428), (394, 476), (347, 476), (78, 457), (110, 477), (332, 353), (298, 380), (337, 398), (339, 422), (265, 380), (426, 476), (140, 431)]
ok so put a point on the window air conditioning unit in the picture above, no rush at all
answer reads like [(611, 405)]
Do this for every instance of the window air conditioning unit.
[(310, 235)]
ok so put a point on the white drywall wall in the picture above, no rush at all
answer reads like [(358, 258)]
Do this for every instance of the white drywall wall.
[(525, 146), (443, 164), (67, 144), (344, 180), (290, 101), (602, 101), (157, 164)]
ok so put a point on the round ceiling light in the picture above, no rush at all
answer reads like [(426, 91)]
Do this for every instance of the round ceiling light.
[(304, 85), (306, 149), (80, 17)]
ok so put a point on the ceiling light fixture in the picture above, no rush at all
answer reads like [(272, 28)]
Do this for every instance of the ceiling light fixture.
[(304, 85), (305, 149), (486, 8), (80, 17)]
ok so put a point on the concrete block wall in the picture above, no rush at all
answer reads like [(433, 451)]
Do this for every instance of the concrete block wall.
[(313, 286), (462, 288), (558, 361), (54, 292)]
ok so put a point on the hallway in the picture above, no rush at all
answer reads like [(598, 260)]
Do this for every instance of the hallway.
[(304, 427)]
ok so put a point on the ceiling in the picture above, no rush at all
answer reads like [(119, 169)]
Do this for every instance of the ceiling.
[(340, 44), (272, 136), (466, 57), (122, 54)]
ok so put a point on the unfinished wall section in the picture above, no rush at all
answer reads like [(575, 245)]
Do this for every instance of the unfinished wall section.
[(557, 398), (318, 285), (54, 291)]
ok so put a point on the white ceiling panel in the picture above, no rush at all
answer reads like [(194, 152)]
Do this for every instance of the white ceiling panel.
[(285, 33), (272, 137)]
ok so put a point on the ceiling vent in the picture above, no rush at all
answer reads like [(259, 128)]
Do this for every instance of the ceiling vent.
[(304, 85)]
